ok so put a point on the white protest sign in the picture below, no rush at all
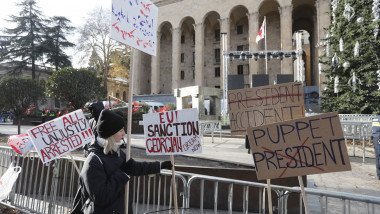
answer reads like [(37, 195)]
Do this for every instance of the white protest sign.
[(61, 135), (172, 132), (134, 23), (20, 143)]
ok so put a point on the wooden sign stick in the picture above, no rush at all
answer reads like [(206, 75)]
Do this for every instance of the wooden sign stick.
[(303, 195), (75, 164), (174, 186), (269, 197)]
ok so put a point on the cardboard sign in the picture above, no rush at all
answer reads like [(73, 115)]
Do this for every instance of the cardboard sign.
[(309, 145), (264, 105), (134, 22), (61, 135), (20, 143), (172, 132)]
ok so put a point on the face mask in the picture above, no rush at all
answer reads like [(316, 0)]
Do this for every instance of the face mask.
[(116, 146)]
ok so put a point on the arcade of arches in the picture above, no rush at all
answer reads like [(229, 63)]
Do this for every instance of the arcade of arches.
[(189, 49)]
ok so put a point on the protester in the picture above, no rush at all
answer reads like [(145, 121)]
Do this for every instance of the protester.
[(43, 116), (106, 171), (95, 109)]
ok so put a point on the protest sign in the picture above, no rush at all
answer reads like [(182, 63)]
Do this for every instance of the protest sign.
[(134, 23), (61, 135), (20, 143), (172, 132), (259, 106), (304, 146)]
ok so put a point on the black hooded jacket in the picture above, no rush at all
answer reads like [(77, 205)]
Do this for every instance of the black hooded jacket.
[(103, 178)]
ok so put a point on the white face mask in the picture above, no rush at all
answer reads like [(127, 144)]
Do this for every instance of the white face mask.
[(116, 146)]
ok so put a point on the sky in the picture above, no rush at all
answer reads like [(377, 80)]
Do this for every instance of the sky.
[(74, 10)]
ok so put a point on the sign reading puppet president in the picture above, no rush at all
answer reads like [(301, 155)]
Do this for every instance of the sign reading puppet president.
[(61, 135), (304, 146), (172, 132)]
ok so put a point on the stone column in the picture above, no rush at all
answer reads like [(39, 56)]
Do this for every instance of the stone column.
[(155, 73), (176, 58), (224, 28), (199, 54), (136, 67), (323, 21), (253, 30), (286, 37)]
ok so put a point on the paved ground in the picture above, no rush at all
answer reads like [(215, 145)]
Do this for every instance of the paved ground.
[(361, 180)]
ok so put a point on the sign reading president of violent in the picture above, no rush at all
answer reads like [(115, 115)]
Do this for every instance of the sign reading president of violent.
[(134, 22), (172, 132), (61, 135)]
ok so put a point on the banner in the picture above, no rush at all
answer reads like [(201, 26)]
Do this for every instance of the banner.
[(20, 143), (172, 132), (309, 145), (134, 23), (259, 106), (61, 135)]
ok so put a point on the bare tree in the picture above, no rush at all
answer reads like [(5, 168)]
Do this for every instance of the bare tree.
[(95, 36)]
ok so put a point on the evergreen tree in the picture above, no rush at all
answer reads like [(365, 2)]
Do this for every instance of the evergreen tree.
[(55, 42), (352, 56), (26, 36)]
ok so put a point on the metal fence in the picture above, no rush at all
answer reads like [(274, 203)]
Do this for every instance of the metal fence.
[(51, 189)]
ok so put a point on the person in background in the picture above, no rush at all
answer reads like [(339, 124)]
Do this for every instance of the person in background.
[(95, 109), (106, 171), (43, 116), (51, 115)]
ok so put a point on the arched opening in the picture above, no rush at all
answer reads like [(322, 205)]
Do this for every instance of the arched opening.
[(187, 75), (212, 50), (165, 71)]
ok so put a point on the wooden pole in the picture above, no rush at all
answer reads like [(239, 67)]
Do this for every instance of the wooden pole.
[(303, 195), (269, 197), (129, 125), (174, 186)]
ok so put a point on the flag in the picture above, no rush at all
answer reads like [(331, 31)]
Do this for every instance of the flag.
[(261, 34)]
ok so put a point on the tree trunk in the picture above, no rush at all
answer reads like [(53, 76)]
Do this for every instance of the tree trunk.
[(19, 124)]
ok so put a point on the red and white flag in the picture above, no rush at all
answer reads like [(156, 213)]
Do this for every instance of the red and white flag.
[(261, 34)]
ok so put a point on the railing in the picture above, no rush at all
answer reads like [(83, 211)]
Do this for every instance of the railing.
[(209, 127), (51, 189)]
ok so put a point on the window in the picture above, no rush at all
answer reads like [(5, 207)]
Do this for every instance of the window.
[(217, 71), (193, 58), (240, 47), (182, 75), (193, 38), (217, 55), (182, 57), (239, 29), (182, 39), (193, 74), (240, 70), (217, 35), (217, 86), (124, 95)]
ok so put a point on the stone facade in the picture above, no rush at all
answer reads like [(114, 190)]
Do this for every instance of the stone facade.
[(190, 49)]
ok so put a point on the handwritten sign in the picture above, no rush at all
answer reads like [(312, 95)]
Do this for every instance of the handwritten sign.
[(20, 143), (172, 132), (259, 106), (61, 135), (134, 22), (309, 145)]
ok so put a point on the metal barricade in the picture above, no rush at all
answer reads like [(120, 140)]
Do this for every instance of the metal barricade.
[(209, 127), (51, 188)]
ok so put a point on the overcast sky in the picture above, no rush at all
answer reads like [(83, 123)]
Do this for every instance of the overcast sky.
[(74, 10)]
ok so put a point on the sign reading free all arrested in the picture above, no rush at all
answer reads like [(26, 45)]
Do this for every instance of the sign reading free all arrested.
[(309, 145), (172, 132), (263, 105), (61, 135)]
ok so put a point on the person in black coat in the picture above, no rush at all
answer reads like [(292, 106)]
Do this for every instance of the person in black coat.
[(106, 171)]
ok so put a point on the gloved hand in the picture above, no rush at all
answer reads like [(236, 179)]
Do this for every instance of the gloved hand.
[(166, 165)]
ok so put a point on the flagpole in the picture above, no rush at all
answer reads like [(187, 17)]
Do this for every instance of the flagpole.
[(265, 37)]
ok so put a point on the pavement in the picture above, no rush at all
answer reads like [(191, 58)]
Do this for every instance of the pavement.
[(361, 179)]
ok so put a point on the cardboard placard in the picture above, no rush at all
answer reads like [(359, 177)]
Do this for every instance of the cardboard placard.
[(264, 105), (172, 132), (309, 145), (134, 23), (61, 135)]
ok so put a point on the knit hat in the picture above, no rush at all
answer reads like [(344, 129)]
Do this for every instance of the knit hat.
[(109, 123)]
